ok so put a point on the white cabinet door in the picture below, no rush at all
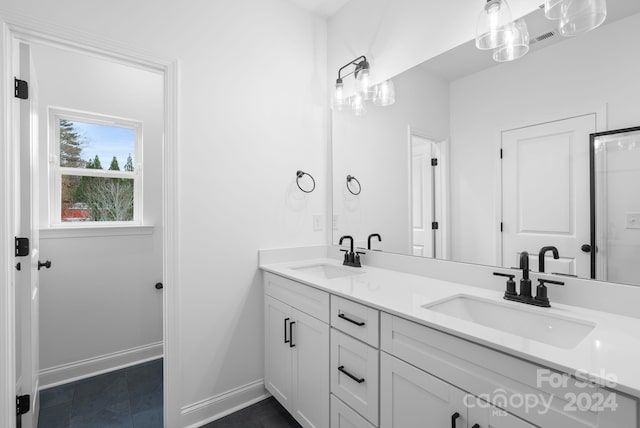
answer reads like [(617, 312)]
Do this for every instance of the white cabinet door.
[(484, 415), (343, 416), (278, 354), (411, 398), (310, 341)]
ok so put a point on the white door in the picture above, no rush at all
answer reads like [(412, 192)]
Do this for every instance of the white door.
[(27, 292), (412, 398), (424, 197), (278, 355), (545, 194), (310, 338)]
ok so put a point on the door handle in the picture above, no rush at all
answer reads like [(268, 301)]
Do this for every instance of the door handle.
[(346, 318), (291, 345), (341, 369), (159, 286), (285, 330), (586, 248), (454, 417), (46, 264)]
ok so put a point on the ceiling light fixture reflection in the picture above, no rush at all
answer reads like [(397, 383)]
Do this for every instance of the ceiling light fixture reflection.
[(516, 42), (492, 22)]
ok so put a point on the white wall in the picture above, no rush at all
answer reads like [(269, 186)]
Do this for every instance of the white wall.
[(375, 149), (252, 111), (577, 76), (396, 35), (99, 296)]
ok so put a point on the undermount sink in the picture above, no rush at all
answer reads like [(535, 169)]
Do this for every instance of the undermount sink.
[(530, 323), (326, 271)]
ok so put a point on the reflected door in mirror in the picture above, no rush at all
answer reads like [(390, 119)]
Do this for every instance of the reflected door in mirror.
[(545, 190)]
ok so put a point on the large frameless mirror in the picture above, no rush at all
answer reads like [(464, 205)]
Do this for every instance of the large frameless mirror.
[(478, 161)]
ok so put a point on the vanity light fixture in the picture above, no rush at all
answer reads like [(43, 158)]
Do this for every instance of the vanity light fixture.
[(382, 94), (385, 94), (516, 42), (580, 16), (492, 23)]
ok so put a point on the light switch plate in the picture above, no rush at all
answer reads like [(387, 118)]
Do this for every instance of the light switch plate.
[(317, 222), (633, 220)]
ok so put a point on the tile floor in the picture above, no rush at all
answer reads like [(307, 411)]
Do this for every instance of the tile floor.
[(127, 398), (265, 414)]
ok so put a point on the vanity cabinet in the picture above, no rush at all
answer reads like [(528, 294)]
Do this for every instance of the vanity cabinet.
[(382, 370), (512, 384), (297, 350), (410, 397)]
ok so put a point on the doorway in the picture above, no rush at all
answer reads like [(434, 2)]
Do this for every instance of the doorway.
[(17, 337), (545, 193), (427, 171)]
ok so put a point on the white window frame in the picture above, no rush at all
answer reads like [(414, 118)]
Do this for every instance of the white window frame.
[(56, 172)]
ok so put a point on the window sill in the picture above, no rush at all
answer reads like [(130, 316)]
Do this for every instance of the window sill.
[(94, 231)]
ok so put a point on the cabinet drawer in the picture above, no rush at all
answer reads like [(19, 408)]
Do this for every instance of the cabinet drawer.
[(342, 416), (302, 297), (354, 374), (481, 371), (356, 320)]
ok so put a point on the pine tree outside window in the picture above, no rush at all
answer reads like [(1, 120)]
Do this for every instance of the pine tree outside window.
[(96, 170)]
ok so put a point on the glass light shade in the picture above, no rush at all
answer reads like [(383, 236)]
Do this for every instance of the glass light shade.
[(385, 94), (358, 104), (516, 42), (493, 19), (339, 99), (363, 83), (553, 8), (581, 16)]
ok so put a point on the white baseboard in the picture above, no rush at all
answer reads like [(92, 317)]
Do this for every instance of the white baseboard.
[(77, 370), (213, 408)]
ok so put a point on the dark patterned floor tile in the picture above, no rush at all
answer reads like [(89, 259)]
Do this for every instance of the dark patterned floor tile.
[(57, 395)]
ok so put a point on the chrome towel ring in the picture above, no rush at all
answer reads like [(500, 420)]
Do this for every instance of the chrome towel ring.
[(299, 175), (351, 178)]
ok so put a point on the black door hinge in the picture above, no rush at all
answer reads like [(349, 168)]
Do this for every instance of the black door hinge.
[(23, 404), (501, 227), (501, 154), (22, 247), (434, 225), (434, 162), (21, 89)]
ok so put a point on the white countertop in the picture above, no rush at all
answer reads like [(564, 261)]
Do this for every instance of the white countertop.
[(612, 348)]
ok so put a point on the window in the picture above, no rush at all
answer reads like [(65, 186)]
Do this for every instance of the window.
[(96, 174)]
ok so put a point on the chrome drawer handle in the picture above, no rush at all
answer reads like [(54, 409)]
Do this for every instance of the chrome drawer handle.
[(344, 317), (342, 370)]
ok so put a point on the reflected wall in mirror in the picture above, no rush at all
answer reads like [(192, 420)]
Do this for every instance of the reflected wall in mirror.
[(511, 142)]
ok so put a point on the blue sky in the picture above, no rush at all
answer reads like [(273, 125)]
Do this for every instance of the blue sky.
[(107, 142)]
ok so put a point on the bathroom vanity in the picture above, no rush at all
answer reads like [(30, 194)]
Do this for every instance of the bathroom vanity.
[(373, 347)]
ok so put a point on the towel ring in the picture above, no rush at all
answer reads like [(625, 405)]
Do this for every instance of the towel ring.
[(351, 178), (299, 175)]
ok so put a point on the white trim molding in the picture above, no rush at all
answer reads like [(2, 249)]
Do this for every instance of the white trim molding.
[(70, 372), (216, 407), (7, 273), (95, 232)]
